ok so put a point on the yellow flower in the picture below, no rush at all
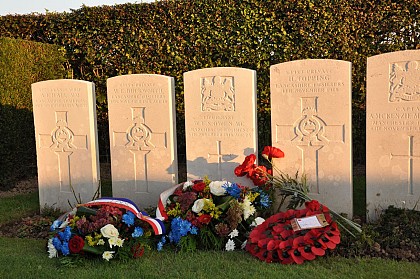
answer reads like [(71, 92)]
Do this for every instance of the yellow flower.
[(176, 211), (90, 240), (252, 196)]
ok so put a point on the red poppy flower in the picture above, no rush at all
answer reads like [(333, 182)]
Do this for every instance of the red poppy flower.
[(259, 176), (246, 167), (272, 244), (306, 252), (317, 249), (76, 244), (272, 152), (313, 205), (296, 256)]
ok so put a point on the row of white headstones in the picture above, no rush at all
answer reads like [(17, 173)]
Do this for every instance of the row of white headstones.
[(310, 122)]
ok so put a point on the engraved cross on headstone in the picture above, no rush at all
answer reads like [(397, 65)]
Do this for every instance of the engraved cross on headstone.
[(220, 158), (140, 140), (63, 142), (310, 134), (410, 156)]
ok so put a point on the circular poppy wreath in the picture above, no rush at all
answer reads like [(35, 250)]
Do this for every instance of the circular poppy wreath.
[(276, 241)]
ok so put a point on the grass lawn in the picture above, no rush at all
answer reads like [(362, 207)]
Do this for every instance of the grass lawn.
[(27, 258)]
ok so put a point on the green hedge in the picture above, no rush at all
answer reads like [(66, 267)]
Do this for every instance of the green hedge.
[(173, 37), (21, 64)]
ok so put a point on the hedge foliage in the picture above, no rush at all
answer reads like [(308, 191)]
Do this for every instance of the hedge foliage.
[(21, 64), (173, 37)]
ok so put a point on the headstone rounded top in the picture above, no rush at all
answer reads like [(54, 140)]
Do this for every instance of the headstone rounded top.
[(139, 76), (61, 81), (221, 69)]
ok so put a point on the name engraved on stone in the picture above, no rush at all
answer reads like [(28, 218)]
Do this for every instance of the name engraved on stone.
[(217, 93), (63, 142), (139, 140), (410, 157), (311, 134), (404, 81), (63, 98)]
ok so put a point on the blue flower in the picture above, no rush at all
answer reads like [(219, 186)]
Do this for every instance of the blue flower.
[(264, 199), (160, 246), (138, 231), (57, 243), (128, 218), (65, 235), (65, 248), (180, 228), (232, 190), (55, 225), (194, 230)]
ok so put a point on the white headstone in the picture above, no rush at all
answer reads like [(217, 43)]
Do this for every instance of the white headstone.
[(220, 121), (66, 141), (393, 131), (311, 123), (142, 133)]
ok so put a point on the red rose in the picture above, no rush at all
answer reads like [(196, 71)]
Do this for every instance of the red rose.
[(199, 187), (272, 152), (76, 244), (204, 219)]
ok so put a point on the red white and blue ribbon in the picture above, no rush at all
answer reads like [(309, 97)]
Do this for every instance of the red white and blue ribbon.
[(160, 210), (127, 204)]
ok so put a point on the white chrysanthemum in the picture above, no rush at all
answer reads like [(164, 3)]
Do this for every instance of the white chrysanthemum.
[(217, 189), (187, 184), (119, 242), (230, 245), (234, 233), (107, 255), (112, 241), (100, 242), (248, 208), (258, 221), (52, 252)]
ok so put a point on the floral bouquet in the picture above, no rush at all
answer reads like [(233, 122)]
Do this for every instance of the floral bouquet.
[(204, 214), (107, 227)]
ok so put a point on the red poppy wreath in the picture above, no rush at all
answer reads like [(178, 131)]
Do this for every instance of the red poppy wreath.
[(291, 237)]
